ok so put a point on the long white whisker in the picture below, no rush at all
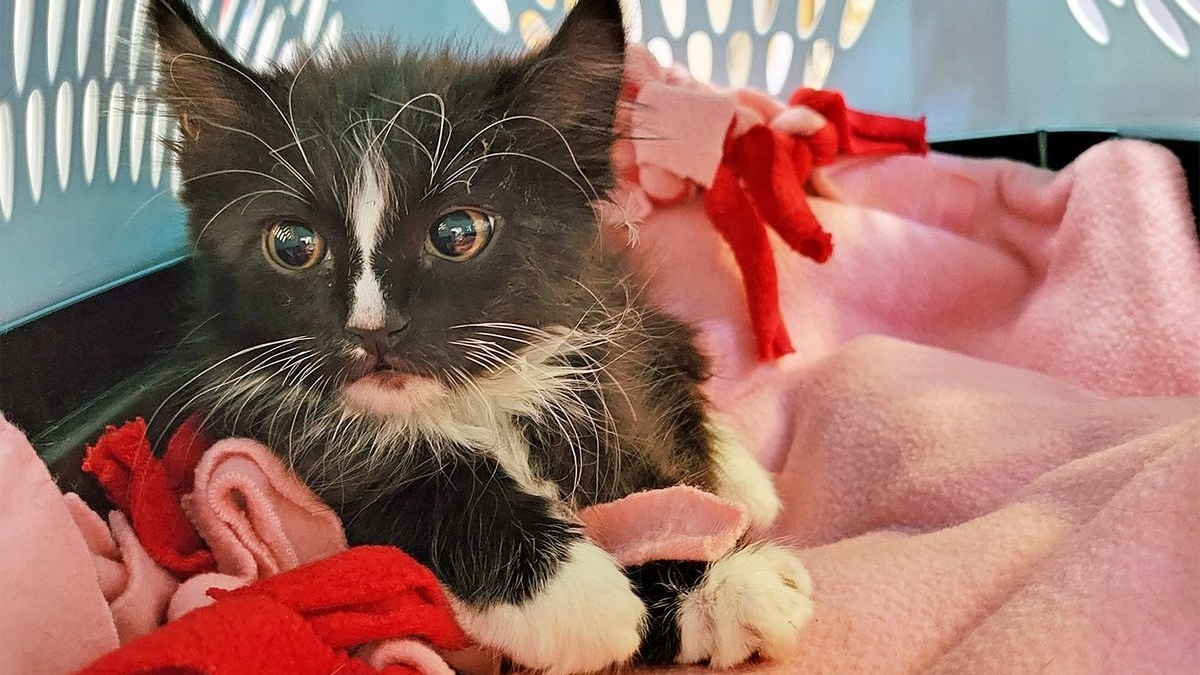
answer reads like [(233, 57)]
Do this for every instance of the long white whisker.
[(242, 171), (264, 345), (257, 193), (416, 143), (271, 151), (443, 122), (532, 118), (230, 383), (521, 155), (210, 174), (443, 144), (289, 123), (288, 373), (291, 120)]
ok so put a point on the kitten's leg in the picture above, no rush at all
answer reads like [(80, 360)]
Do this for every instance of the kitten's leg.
[(755, 600), (698, 443), (738, 476), (525, 580)]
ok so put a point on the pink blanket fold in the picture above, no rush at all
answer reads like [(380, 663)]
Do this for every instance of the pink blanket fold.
[(257, 518), (54, 617), (964, 516), (677, 523)]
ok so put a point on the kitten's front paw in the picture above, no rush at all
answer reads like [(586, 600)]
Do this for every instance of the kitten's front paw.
[(753, 601), (585, 619)]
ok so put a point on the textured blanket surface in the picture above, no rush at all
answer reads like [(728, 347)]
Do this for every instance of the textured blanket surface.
[(988, 439)]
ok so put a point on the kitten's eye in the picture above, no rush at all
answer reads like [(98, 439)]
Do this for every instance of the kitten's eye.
[(460, 235), (292, 246)]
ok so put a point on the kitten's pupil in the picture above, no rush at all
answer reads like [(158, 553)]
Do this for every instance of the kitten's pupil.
[(460, 235), (294, 246)]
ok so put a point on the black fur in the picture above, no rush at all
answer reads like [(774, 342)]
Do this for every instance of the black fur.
[(257, 148), (485, 538), (660, 584)]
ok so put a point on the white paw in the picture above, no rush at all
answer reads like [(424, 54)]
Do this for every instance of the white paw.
[(585, 619), (753, 601), (741, 478)]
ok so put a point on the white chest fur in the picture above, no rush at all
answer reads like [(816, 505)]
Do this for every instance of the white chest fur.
[(478, 415)]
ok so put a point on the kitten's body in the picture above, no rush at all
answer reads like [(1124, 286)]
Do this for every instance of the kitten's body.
[(459, 407)]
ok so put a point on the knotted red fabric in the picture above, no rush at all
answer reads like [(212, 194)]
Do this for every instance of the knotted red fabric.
[(300, 622), (147, 490), (366, 594), (761, 183)]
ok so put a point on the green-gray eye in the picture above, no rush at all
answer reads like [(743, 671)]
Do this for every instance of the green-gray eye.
[(293, 246), (460, 234)]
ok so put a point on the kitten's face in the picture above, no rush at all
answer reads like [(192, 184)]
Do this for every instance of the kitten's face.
[(385, 206)]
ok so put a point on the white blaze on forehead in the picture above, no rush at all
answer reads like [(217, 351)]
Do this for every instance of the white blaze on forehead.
[(369, 199)]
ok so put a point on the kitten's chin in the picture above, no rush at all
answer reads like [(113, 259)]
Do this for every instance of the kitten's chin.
[(390, 394)]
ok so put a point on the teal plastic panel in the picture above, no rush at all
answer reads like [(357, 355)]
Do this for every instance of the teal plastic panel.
[(86, 193)]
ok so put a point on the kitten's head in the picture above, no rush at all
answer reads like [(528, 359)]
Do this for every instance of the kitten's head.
[(391, 209)]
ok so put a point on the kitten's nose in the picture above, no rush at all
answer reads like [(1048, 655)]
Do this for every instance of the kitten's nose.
[(379, 340)]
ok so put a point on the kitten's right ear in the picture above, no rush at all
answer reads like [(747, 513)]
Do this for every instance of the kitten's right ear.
[(198, 78)]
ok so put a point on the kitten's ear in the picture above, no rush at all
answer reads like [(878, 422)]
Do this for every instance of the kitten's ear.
[(575, 79), (594, 26), (198, 79)]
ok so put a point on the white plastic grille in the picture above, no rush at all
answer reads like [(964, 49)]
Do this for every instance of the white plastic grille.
[(60, 114)]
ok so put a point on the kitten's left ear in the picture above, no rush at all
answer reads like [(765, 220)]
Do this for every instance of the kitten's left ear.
[(198, 79), (576, 77)]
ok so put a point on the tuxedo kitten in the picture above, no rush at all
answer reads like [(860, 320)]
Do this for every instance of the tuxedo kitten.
[(401, 292)]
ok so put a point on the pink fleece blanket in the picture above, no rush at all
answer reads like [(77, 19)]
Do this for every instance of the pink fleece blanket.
[(1009, 482)]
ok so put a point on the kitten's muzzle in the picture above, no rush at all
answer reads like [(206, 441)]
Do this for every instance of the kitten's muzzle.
[(379, 341)]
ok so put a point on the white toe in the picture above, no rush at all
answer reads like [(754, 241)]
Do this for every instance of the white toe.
[(754, 601)]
